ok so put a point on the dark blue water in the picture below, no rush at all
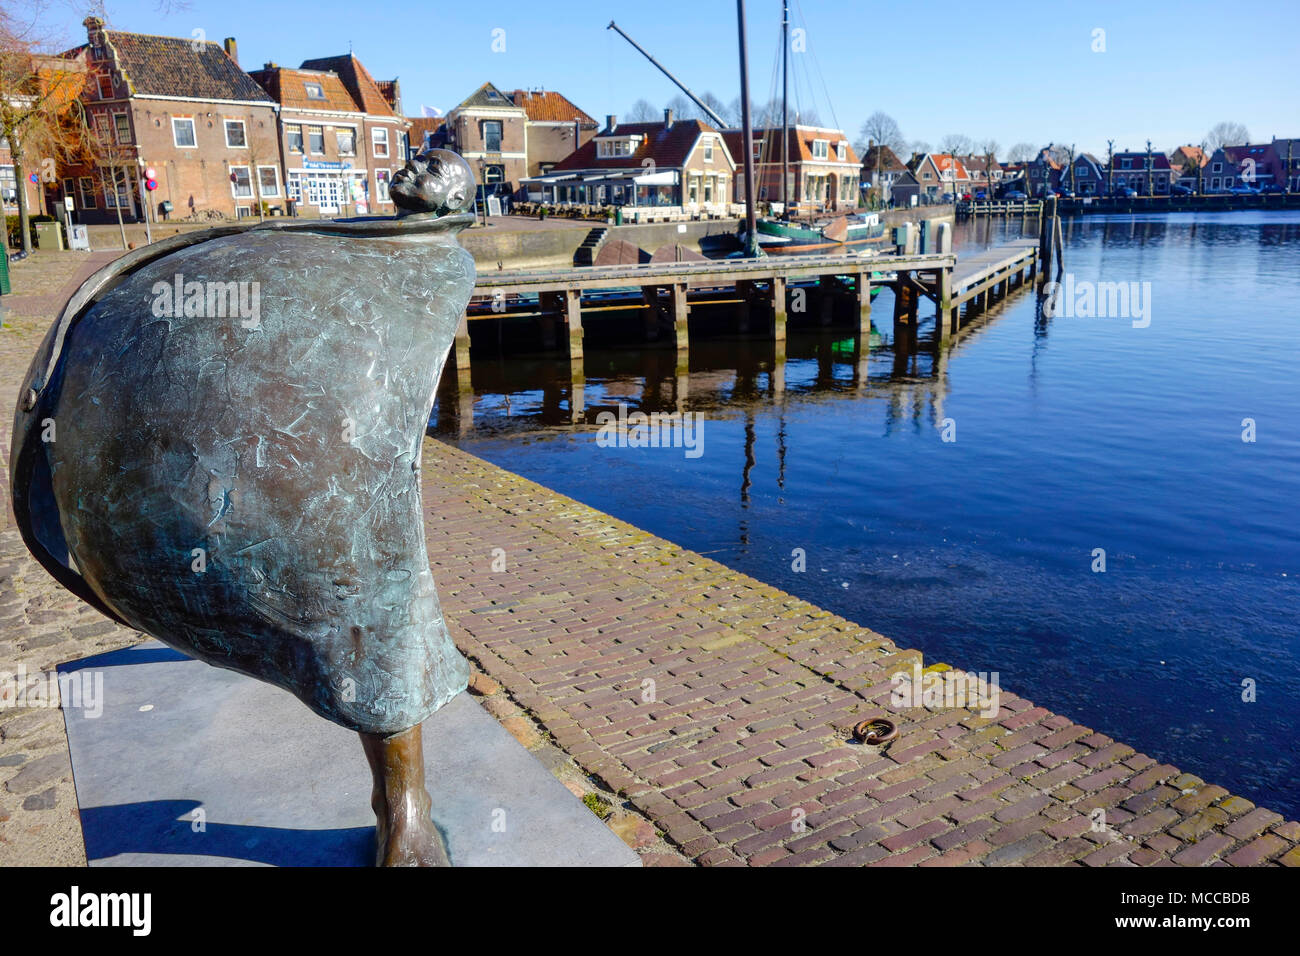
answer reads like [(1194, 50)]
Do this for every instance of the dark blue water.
[(1072, 434)]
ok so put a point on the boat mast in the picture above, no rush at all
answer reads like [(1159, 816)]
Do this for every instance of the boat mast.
[(747, 138), (785, 108)]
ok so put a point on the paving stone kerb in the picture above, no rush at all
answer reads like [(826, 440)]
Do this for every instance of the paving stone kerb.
[(717, 705), (723, 708)]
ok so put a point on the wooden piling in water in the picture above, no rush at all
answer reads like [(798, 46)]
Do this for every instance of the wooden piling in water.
[(779, 316)]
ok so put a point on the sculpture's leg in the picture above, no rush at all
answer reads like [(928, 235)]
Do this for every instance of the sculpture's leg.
[(405, 831)]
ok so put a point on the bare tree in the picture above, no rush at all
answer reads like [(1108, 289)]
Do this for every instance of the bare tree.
[(1226, 134), (40, 111), (719, 107), (642, 111), (920, 147), (683, 108), (989, 151), (1022, 153), (881, 129), (956, 143)]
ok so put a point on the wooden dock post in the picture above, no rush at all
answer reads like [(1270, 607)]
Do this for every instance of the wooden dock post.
[(745, 307), (945, 317), (825, 300), (577, 390), (652, 321), (681, 312), (904, 315), (460, 351), (862, 302), (778, 308), (1046, 238), (573, 318)]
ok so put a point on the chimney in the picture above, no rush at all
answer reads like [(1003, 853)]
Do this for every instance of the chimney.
[(668, 119), (611, 122), (232, 49)]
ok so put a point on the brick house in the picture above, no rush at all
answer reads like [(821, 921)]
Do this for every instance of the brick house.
[(939, 174), (881, 167), (1131, 169), (1260, 165), (1043, 173), (1286, 163), (1087, 176), (184, 108), (825, 172), (491, 133), (341, 135), (1187, 162), (555, 127), (674, 163), (985, 177)]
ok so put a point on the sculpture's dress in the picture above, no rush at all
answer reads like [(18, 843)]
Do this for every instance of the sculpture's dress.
[(246, 488)]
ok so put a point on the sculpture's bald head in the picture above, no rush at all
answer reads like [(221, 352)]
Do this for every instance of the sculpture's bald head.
[(436, 180)]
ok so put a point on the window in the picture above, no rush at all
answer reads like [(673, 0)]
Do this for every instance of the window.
[(268, 181), (120, 196), (1217, 168), (1126, 164), (314, 91), (694, 195), (842, 152), (183, 132), (492, 136), (294, 187), (381, 185), (1214, 183), (105, 86), (821, 149), (86, 186), (1227, 182), (708, 150), (494, 174), (316, 140), (122, 126), (347, 141), (758, 150), (241, 183), (708, 188), (293, 136), (379, 137), (236, 135), (243, 212)]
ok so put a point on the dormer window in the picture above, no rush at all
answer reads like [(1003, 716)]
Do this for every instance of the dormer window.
[(613, 148), (842, 152), (314, 91), (821, 149)]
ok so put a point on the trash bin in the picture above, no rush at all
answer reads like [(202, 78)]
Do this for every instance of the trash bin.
[(618, 215), (49, 235), (4, 271)]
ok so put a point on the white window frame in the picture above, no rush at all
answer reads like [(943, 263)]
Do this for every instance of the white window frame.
[(351, 130), (234, 185), (821, 149), (307, 144), (842, 152), (275, 176), (307, 88), (225, 126), (501, 135), (383, 178), (302, 143), (378, 135), (194, 132), (708, 149)]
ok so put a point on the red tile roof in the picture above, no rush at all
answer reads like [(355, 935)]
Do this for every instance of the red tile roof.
[(548, 106), (175, 66), (360, 84), (668, 148), (288, 87), (800, 139)]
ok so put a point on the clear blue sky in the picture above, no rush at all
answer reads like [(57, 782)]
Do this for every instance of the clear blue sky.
[(1013, 71)]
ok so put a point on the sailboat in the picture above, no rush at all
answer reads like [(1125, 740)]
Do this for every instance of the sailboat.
[(828, 236)]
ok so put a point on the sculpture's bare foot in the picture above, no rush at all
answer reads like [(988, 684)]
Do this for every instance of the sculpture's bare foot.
[(404, 829)]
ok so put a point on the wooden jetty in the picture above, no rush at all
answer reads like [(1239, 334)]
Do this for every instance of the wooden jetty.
[(658, 297), (1000, 207)]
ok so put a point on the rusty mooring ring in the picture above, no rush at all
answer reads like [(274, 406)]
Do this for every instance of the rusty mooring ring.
[(875, 731)]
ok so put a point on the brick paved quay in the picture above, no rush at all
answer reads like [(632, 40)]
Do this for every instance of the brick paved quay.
[(706, 713)]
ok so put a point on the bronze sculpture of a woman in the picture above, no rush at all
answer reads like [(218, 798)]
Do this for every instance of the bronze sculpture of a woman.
[(219, 441)]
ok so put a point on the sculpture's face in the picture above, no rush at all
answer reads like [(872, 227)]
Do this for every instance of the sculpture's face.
[(437, 181)]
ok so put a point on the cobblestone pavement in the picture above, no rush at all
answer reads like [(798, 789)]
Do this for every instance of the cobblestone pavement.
[(721, 708), (704, 714)]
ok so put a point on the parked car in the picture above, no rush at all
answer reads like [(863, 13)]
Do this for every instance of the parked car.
[(1014, 194), (981, 195), (1125, 192), (1177, 190), (1273, 188), (1243, 189)]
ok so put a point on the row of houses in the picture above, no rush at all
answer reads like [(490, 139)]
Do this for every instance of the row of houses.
[(325, 138)]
